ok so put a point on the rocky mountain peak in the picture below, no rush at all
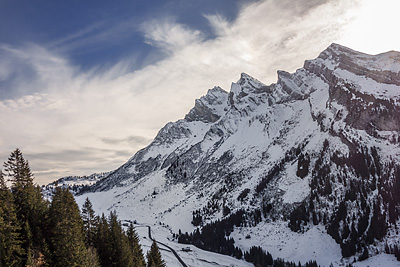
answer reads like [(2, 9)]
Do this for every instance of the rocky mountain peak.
[(336, 59), (365, 86), (248, 85), (209, 108), (388, 61), (316, 152)]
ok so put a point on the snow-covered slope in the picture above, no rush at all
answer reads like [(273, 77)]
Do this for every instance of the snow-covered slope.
[(317, 154), (74, 183)]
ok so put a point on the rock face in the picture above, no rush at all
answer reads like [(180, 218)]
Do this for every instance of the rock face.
[(208, 108), (366, 85), (319, 147)]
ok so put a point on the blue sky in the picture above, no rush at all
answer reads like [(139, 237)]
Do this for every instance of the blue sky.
[(85, 84), (95, 34)]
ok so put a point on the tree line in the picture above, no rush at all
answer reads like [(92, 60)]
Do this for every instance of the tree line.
[(367, 207), (37, 232), (215, 237)]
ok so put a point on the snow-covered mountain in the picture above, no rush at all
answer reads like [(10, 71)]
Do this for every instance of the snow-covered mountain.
[(74, 183), (311, 163)]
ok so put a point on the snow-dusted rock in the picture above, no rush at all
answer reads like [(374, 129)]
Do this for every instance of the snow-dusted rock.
[(298, 146)]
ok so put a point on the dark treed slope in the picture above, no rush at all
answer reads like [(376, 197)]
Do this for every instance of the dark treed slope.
[(36, 232)]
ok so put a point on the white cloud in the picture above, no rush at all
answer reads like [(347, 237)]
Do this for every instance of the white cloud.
[(220, 25), (108, 114), (169, 35)]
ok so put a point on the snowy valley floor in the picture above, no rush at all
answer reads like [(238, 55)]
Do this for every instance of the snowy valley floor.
[(166, 218), (281, 242)]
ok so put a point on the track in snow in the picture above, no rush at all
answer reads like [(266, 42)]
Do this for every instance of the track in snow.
[(168, 247)]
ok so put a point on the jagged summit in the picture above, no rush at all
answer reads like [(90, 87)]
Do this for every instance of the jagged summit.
[(335, 76), (314, 155), (382, 68), (247, 85), (209, 108), (337, 50), (341, 56)]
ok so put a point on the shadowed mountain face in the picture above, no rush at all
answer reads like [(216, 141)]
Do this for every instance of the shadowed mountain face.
[(319, 147)]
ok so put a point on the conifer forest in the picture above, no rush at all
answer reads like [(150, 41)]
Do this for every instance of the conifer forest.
[(35, 231)]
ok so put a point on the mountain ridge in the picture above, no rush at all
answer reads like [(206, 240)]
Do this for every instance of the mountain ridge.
[(316, 149)]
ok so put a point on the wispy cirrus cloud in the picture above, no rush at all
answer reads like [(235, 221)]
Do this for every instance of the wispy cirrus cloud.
[(96, 36), (85, 115), (169, 35)]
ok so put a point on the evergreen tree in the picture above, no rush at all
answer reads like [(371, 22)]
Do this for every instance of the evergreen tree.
[(18, 170), (121, 254), (101, 240), (11, 252), (89, 222), (92, 258), (66, 231), (112, 243), (154, 256), (138, 257), (31, 208), (259, 257), (3, 185)]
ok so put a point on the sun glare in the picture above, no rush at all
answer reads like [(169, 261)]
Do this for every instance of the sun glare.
[(374, 28)]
